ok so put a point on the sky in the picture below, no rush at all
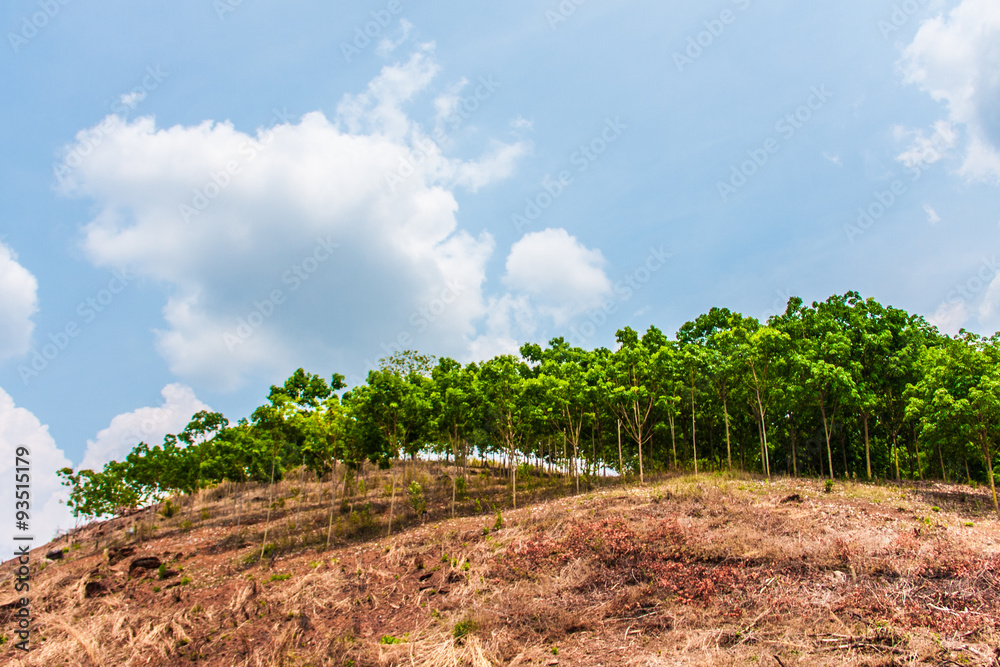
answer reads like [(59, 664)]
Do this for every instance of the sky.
[(202, 196)]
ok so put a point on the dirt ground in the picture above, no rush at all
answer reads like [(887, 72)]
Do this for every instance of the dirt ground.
[(707, 570)]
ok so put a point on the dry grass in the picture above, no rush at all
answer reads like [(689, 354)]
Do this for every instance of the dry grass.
[(704, 570)]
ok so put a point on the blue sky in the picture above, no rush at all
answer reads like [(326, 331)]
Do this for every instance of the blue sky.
[(202, 197)]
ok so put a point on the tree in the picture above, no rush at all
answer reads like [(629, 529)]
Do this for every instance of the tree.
[(566, 395), (632, 384), (501, 384), (452, 399), (957, 399)]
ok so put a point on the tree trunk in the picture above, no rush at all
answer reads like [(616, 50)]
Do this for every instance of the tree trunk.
[(989, 472), (827, 427), (729, 450), (621, 469), (843, 450), (673, 437), (694, 434), (795, 458), (333, 502), (868, 455), (392, 502)]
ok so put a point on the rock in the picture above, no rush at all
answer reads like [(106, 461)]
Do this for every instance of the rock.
[(93, 589), (143, 563), (55, 554), (118, 554)]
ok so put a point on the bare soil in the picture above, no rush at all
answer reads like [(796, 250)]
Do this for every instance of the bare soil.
[(706, 570)]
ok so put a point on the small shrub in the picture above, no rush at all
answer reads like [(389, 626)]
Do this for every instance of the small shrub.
[(169, 510), (460, 486), (156, 589), (464, 628), (417, 501), (206, 514), (162, 571), (499, 522), (185, 581), (828, 486), (935, 508), (185, 525), (389, 639), (280, 577)]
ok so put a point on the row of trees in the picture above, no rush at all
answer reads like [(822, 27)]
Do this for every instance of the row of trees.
[(846, 387)]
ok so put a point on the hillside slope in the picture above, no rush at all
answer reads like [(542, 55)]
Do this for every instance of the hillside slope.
[(684, 571)]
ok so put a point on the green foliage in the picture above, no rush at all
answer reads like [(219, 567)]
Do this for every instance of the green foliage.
[(417, 501), (280, 577), (842, 388), (389, 639), (498, 524), (828, 486), (463, 629)]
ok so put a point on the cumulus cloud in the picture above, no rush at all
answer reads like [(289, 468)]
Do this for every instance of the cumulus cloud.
[(315, 242), (956, 59), (148, 424), (18, 303), (950, 317), (19, 427), (562, 276)]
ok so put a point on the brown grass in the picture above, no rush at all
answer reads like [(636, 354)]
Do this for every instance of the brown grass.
[(704, 570)]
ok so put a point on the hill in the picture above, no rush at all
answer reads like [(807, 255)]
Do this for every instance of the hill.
[(685, 570)]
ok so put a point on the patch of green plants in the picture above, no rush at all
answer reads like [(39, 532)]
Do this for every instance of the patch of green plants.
[(185, 581), (157, 589), (417, 500), (499, 522), (828, 486), (464, 628), (935, 508), (280, 577), (169, 510), (206, 514), (161, 571), (389, 639), (185, 525)]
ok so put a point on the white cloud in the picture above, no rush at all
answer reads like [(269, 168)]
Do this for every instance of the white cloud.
[(924, 150), (367, 181), (18, 302), (562, 276), (956, 59), (147, 425), (19, 427), (388, 44), (932, 215), (950, 317), (989, 308)]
